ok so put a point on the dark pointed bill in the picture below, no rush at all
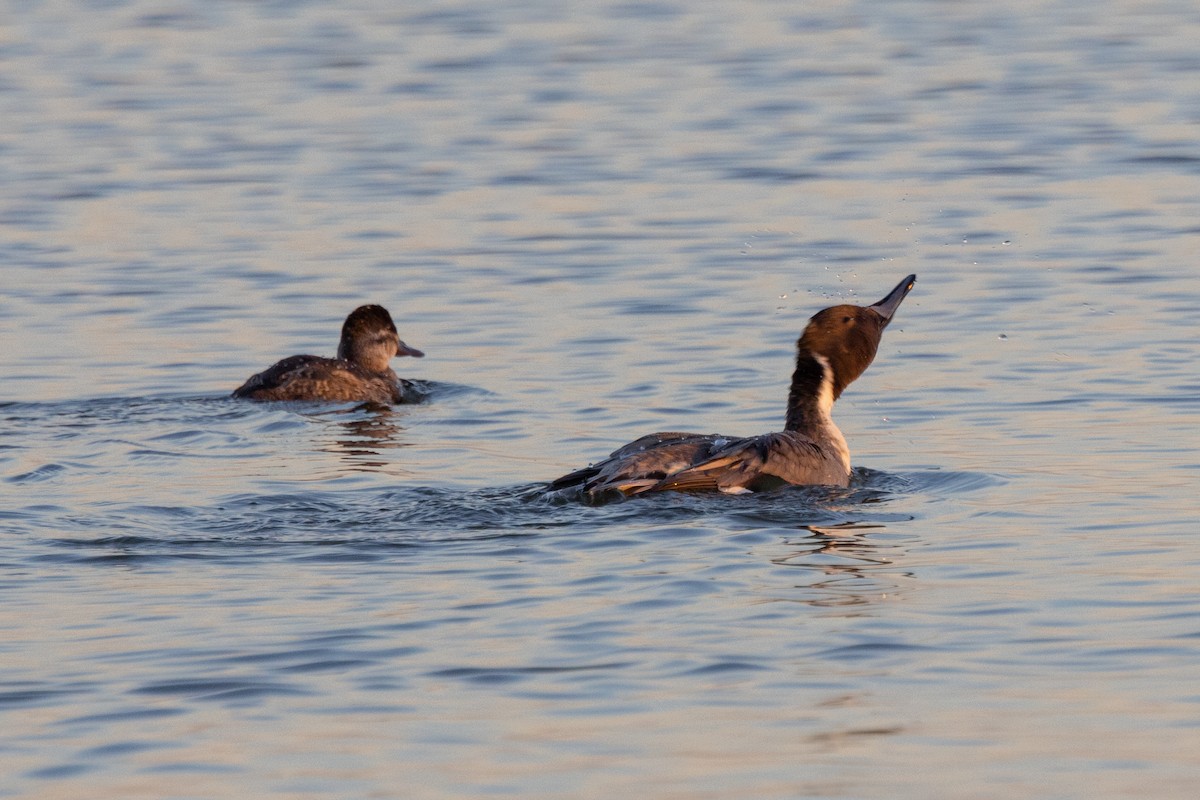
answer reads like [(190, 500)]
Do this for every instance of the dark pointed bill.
[(404, 350), (888, 305)]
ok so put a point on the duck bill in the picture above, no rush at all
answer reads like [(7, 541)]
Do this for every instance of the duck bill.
[(888, 305), (404, 350)]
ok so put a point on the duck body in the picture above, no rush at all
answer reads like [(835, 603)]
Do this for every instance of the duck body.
[(331, 379), (713, 462), (360, 373), (837, 345)]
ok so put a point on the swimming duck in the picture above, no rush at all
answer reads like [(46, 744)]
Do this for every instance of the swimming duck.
[(360, 373), (837, 345)]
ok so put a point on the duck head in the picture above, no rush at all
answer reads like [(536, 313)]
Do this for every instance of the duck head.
[(369, 339), (845, 337)]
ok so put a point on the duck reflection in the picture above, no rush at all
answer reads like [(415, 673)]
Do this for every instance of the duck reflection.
[(846, 568), (363, 433)]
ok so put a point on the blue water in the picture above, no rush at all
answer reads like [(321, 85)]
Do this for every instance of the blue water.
[(598, 221)]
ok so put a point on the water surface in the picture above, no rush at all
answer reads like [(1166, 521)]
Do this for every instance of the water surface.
[(598, 221)]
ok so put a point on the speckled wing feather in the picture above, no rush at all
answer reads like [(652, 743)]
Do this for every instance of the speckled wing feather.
[(311, 377), (276, 375)]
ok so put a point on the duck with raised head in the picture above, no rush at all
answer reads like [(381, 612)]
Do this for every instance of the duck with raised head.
[(360, 373), (837, 345)]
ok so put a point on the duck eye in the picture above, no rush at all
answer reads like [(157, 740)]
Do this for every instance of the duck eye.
[(846, 318)]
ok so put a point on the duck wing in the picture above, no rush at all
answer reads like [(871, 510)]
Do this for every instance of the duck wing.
[(278, 374), (643, 463), (758, 463), (317, 378)]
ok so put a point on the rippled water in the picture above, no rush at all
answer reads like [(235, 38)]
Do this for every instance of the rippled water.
[(598, 221)]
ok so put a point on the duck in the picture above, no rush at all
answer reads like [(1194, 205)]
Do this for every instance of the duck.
[(360, 373), (836, 347)]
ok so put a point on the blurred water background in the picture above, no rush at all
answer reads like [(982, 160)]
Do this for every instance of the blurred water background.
[(598, 220)]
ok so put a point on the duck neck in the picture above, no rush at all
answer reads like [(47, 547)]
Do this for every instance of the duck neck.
[(810, 400), (372, 356), (810, 403)]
